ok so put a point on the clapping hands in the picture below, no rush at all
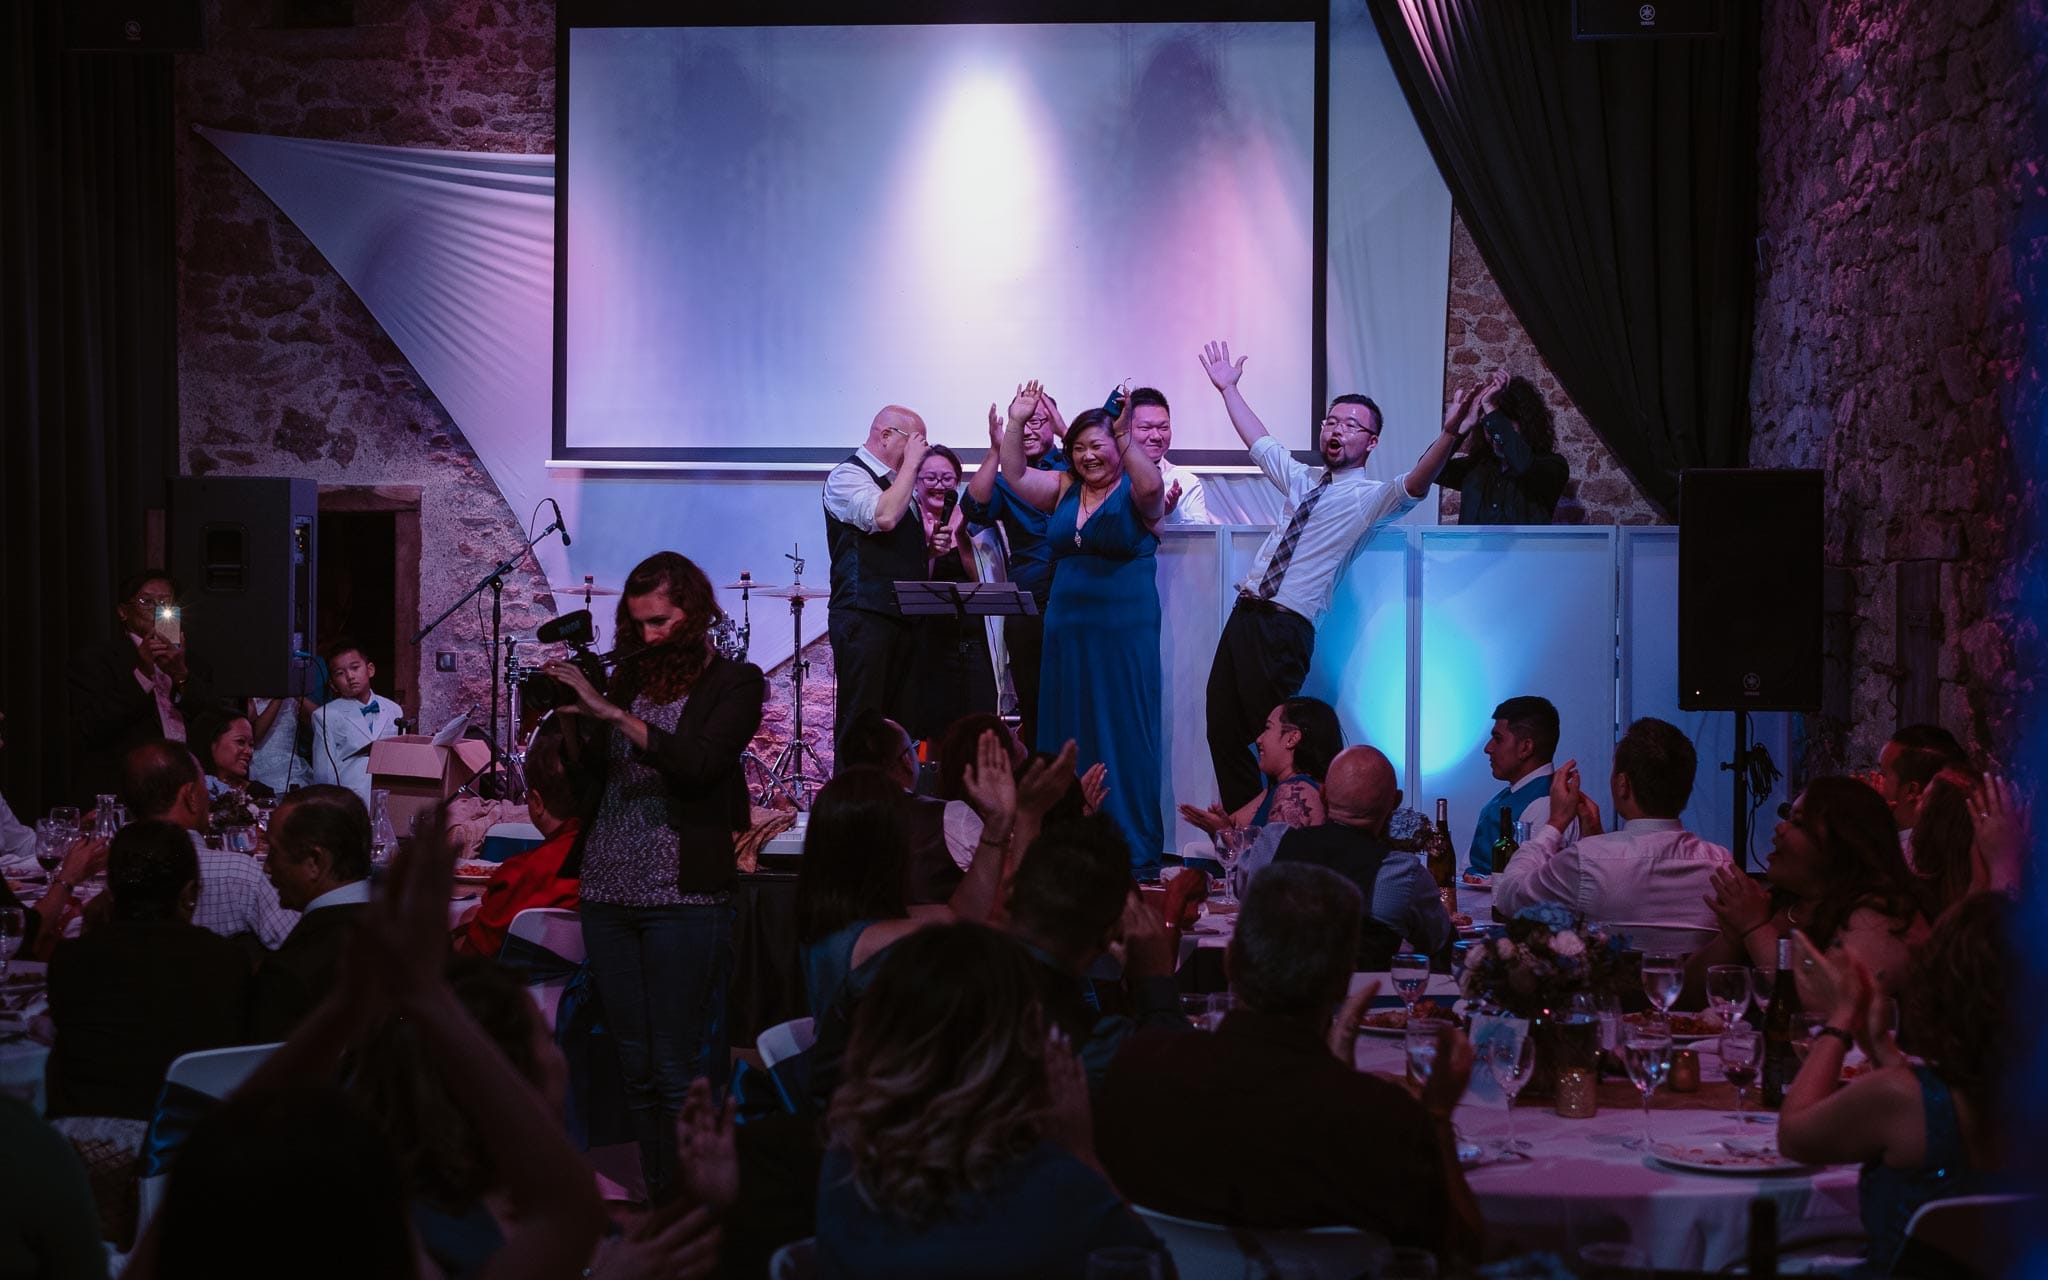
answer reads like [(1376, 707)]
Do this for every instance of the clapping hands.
[(1738, 902), (1209, 821), (1489, 391)]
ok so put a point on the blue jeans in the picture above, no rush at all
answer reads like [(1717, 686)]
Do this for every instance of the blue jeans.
[(662, 973)]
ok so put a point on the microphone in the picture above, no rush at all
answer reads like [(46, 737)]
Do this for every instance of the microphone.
[(559, 522), (952, 501)]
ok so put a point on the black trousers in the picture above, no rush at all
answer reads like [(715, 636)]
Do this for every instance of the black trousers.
[(1261, 661), (871, 657), (1025, 639)]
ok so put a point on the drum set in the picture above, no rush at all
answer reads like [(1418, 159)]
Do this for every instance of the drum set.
[(794, 774)]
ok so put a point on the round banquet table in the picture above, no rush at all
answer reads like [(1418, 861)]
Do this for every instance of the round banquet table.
[(1580, 1185)]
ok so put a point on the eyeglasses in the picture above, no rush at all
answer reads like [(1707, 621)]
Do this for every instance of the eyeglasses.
[(897, 431), (1351, 428), (154, 603)]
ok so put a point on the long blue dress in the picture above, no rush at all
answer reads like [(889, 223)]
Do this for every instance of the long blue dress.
[(1099, 683)]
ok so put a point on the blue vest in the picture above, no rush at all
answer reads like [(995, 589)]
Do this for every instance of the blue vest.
[(1514, 799)]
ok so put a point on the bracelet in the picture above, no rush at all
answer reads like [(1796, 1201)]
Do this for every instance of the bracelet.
[(1848, 1041), (1003, 843), (1753, 928)]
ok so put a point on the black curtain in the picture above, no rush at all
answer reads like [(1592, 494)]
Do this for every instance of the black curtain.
[(1611, 187), (88, 384)]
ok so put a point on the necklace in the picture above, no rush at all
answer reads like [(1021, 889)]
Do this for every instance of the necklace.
[(1792, 915), (1081, 519)]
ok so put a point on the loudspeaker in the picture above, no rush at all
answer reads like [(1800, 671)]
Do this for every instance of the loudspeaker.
[(244, 553), (135, 26), (1625, 19), (1749, 590)]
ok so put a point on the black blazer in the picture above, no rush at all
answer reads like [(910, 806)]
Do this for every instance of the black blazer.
[(707, 799), (1356, 856), (111, 713), (300, 973)]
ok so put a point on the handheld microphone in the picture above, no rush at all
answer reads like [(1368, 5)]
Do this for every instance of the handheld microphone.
[(559, 522), (952, 501)]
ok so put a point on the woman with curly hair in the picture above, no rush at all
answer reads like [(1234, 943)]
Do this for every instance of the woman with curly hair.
[(1923, 1130), (1835, 873), (1511, 471), (960, 1141), (662, 750)]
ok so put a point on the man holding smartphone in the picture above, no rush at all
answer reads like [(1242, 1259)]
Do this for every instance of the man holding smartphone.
[(132, 688)]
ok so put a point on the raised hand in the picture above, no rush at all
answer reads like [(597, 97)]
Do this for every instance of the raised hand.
[(1094, 788), (995, 427), (1740, 903), (1222, 371), (1489, 394), (680, 1248), (914, 449), (1564, 794), (1458, 418), (1590, 823), (992, 789), (706, 1150), (1045, 781), (1024, 402), (1172, 496), (2001, 821), (1211, 820), (1148, 951), (1067, 1121)]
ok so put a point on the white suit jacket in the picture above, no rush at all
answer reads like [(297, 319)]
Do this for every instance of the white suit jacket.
[(342, 735)]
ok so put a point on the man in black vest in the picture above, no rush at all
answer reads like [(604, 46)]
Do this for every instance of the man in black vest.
[(1360, 794), (876, 541)]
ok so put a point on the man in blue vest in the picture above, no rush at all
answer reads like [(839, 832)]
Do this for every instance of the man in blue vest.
[(875, 541), (1520, 750)]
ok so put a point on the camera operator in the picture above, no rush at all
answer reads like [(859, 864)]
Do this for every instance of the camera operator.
[(663, 747)]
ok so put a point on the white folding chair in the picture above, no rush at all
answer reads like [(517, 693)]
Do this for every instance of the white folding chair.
[(786, 1040), (1986, 1234), (215, 1073), (797, 1260), (1210, 1251), (559, 932)]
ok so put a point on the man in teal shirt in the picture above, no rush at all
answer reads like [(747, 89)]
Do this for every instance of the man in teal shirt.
[(1520, 749)]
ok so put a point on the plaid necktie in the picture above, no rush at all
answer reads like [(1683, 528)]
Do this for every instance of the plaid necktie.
[(1284, 553)]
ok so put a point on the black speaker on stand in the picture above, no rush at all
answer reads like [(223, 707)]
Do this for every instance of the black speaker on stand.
[(244, 552), (1749, 604)]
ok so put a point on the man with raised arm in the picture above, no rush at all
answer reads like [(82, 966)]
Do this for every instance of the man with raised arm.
[(1263, 655), (873, 547)]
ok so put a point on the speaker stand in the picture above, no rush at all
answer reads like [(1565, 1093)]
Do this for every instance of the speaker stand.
[(1740, 767)]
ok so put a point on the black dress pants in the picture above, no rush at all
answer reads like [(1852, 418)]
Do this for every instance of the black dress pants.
[(871, 657), (1261, 661), (1025, 639)]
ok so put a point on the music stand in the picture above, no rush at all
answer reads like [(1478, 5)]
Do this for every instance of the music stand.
[(964, 600)]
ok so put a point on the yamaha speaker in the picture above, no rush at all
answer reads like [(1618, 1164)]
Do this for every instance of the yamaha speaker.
[(134, 26), (1749, 590), (1636, 19), (243, 550)]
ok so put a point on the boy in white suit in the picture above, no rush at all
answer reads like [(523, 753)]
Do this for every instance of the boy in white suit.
[(344, 728)]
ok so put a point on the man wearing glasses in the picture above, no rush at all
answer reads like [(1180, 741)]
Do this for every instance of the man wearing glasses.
[(133, 688), (876, 541), (1263, 655)]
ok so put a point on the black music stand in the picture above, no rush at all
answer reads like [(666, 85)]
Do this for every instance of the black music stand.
[(964, 600)]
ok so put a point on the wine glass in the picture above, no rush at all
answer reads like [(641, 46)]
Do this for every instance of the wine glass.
[(66, 814), (1410, 972), (1647, 1054), (12, 922), (1741, 1046), (1728, 991), (1760, 987), (1510, 1059), (52, 839), (1421, 1037), (1230, 846), (1663, 978)]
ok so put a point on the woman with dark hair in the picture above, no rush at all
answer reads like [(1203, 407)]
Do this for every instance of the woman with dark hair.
[(1099, 682), (1511, 471), (1836, 874), (959, 1137), (1295, 748), (953, 673), (225, 743), (1942, 843), (662, 747), (1922, 1131)]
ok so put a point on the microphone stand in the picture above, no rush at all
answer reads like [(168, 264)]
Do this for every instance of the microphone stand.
[(495, 580)]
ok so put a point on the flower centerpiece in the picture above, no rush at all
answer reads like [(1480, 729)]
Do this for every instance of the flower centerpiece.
[(1548, 956)]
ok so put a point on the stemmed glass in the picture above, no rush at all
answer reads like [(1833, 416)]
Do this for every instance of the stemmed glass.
[(1741, 1046), (1760, 986), (53, 838), (1421, 1037), (1231, 842), (1647, 1054), (1663, 978), (12, 922), (1410, 972), (1509, 1059), (1728, 991), (66, 814)]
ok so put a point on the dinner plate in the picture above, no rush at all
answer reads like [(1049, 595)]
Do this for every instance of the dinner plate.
[(474, 872), (1634, 1022), (1718, 1158), (1476, 882)]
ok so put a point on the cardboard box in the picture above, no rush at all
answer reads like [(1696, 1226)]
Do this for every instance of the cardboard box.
[(420, 775)]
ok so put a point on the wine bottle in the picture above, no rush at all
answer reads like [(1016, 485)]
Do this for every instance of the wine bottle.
[(1504, 848), (1442, 858), (1779, 1063)]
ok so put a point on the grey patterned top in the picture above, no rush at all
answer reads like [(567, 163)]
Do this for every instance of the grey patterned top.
[(630, 860)]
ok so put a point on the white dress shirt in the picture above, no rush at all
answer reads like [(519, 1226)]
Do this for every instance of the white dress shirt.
[(353, 892), (1193, 507), (157, 683), (851, 493), (16, 841), (1342, 520), (1652, 871), (342, 735), (235, 896)]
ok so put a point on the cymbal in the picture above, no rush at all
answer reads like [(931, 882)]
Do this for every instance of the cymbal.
[(750, 586), (801, 591), (587, 589)]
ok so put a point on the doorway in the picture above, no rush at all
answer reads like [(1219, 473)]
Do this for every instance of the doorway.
[(369, 553)]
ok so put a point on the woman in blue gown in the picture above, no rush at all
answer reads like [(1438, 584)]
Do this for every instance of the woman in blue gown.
[(1099, 681)]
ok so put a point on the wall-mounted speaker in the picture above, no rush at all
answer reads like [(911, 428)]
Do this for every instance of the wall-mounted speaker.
[(1749, 590)]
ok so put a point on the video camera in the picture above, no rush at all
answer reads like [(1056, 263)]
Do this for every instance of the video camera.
[(542, 691)]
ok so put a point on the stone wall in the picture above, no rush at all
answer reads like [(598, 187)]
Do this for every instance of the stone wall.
[(1894, 141), (1482, 335)]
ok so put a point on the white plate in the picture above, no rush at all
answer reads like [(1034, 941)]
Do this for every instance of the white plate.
[(1718, 1159)]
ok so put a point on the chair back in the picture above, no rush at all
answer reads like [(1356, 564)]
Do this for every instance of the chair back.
[(797, 1260), (1980, 1235), (215, 1073), (786, 1040), (1211, 1251), (1653, 935), (552, 929)]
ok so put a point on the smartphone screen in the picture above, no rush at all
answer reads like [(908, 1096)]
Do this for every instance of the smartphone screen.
[(169, 625)]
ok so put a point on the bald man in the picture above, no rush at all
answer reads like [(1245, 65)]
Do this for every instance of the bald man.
[(1360, 793), (875, 543)]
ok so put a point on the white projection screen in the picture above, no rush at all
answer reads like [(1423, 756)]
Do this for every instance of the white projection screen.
[(769, 231)]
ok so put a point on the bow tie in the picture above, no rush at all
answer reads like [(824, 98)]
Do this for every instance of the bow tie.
[(371, 708)]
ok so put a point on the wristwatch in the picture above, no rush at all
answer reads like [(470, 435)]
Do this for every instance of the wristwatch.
[(1848, 1041)]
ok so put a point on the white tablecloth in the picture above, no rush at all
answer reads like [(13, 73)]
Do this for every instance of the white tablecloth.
[(22, 1059)]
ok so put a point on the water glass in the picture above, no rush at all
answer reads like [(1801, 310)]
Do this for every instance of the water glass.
[(1760, 987), (1421, 1038), (1124, 1262), (1230, 845), (1663, 977), (1741, 1046), (1647, 1054), (66, 814), (1728, 991), (12, 922), (1510, 1060), (1410, 973), (1205, 1011)]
